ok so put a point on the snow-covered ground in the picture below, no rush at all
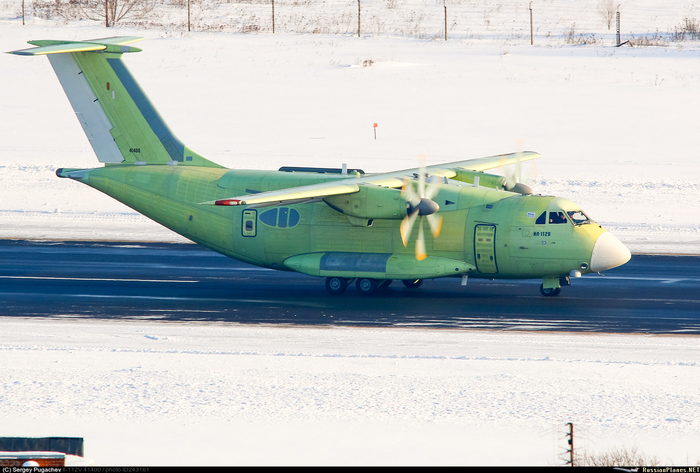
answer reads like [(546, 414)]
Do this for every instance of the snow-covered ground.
[(617, 128), (152, 393)]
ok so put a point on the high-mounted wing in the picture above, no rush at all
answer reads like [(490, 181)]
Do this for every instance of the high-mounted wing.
[(394, 179)]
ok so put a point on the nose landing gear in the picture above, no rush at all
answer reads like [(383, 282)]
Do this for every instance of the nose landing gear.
[(549, 291), (552, 286)]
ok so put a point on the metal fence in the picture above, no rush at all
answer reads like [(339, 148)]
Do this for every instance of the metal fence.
[(548, 21)]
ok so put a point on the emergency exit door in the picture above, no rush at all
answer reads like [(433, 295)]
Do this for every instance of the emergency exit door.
[(485, 248)]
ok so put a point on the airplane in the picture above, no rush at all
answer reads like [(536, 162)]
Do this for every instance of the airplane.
[(340, 224)]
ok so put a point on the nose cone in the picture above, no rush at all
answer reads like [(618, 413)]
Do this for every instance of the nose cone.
[(608, 252)]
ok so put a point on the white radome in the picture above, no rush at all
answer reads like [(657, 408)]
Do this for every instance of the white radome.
[(608, 253)]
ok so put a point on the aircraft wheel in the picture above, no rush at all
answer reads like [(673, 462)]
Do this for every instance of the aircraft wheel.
[(384, 283), (412, 283), (336, 285), (366, 286), (550, 292)]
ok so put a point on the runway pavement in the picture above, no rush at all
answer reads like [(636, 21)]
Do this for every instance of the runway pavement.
[(654, 294)]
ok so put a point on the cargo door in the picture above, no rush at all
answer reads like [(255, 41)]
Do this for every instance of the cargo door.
[(485, 248)]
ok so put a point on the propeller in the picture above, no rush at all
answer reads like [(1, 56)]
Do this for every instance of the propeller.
[(420, 204), (514, 175)]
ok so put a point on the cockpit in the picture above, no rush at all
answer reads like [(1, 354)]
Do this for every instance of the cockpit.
[(556, 217)]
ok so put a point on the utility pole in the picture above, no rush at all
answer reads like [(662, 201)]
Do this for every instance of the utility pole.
[(532, 38), (570, 440)]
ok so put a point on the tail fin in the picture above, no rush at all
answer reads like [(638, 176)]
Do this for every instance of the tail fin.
[(117, 117)]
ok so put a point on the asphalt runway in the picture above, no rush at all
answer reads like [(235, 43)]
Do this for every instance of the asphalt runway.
[(650, 294)]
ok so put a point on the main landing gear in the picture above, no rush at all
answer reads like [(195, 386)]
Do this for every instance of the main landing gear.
[(336, 285), (365, 286)]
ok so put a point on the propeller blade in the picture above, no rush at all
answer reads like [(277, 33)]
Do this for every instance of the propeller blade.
[(421, 204), (435, 222), (433, 188), (421, 176), (408, 192), (420, 243), (514, 181), (518, 162), (407, 226)]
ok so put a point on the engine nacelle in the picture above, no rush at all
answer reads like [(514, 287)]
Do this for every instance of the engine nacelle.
[(370, 202), (492, 181)]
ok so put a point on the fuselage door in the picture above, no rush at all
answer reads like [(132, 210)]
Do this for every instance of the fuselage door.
[(249, 223), (485, 248)]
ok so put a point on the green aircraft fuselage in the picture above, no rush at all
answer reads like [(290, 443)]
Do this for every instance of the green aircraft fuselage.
[(338, 225), (491, 229)]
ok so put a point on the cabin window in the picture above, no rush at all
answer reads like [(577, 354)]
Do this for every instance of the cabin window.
[(281, 217), (269, 217), (284, 214), (542, 219), (578, 217), (293, 218), (557, 217)]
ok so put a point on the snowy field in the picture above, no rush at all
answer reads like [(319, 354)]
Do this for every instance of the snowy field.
[(617, 128), (152, 393)]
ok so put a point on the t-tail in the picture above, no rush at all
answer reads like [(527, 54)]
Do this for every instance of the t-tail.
[(120, 122)]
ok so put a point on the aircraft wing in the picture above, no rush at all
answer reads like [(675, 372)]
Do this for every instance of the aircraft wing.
[(393, 179)]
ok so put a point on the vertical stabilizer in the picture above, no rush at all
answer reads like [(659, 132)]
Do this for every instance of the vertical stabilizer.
[(119, 120)]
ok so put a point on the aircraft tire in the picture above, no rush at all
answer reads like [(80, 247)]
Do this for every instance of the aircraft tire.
[(366, 286), (551, 292), (336, 285), (384, 283), (412, 283)]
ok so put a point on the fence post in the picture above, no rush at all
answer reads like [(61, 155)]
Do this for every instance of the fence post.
[(444, 3), (570, 440), (532, 38)]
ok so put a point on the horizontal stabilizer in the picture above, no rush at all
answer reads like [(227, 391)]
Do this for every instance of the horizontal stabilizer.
[(111, 45)]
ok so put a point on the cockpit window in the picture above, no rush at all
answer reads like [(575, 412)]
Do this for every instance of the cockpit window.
[(578, 217), (557, 217), (542, 219)]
